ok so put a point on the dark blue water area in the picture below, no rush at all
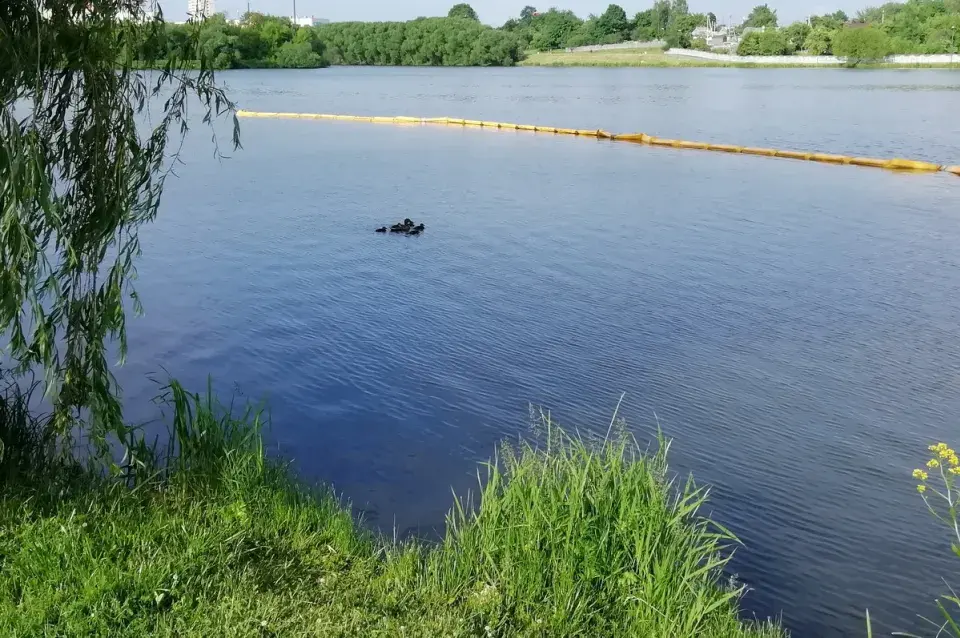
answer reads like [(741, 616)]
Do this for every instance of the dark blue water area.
[(793, 326)]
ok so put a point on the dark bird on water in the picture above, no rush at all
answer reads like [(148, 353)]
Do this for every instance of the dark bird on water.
[(407, 227)]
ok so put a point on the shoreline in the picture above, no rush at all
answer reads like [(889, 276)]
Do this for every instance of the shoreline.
[(562, 538), (634, 58)]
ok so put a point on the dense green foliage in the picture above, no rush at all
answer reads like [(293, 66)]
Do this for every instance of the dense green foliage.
[(857, 45), (463, 10), (770, 42), (570, 539), (258, 41), (556, 28), (426, 41), (264, 41), (916, 26), (819, 41), (762, 16), (680, 29), (796, 35)]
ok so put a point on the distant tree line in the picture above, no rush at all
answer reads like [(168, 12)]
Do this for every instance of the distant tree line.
[(915, 26), (460, 39), (668, 20), (259, 40)]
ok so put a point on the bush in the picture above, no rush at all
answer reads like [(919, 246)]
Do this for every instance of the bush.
[(676, 38), (903, 46), (699, 44), (797, 34), (861, 44), (819, 41), (769, 42), (298, 55)]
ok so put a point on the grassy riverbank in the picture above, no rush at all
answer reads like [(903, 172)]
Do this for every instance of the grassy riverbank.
[(570, 539), (621, 57), (656, 58)]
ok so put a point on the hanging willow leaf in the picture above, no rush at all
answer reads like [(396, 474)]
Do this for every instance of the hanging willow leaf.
[(81, 170)]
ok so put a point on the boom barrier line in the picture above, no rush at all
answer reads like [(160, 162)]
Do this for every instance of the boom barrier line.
[(895, 164)]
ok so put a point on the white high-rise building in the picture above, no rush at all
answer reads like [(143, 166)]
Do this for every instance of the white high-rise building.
[(200, 9)]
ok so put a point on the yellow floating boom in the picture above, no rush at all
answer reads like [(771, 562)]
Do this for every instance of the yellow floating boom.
[(895, 164)]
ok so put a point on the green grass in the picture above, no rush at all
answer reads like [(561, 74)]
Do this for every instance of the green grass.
[(656, 58), (571, 538), (633, 58), (617, 57)]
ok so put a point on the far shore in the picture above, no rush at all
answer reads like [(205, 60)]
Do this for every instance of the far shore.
[(656, 58)]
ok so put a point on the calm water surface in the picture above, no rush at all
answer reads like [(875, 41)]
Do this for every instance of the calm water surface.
[(795, 327)]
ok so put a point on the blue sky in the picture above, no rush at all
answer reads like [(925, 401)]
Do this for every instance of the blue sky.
[(496, 12)]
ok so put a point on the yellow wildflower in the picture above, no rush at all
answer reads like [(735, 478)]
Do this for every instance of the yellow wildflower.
[(932, 463), (954, 461), (955, 470), (920, 475), (946, 453), (921, 488), (934, 447)]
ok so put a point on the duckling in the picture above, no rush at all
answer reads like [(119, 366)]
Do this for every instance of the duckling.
[(414, 231), (398, 228), (382, 229), (408, 222), (419, 227)]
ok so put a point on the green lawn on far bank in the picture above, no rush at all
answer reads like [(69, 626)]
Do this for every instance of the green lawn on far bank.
[(656, 58), (616, 57), (571, 539)]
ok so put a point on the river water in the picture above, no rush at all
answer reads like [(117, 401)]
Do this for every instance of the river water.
[(795, 327)]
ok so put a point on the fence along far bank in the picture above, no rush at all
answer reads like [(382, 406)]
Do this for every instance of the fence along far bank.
[(896, 164)]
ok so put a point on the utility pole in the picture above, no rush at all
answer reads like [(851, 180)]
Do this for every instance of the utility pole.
[(294, 11)]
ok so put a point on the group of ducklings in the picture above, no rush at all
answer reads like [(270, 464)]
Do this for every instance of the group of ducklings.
[(406, 227)]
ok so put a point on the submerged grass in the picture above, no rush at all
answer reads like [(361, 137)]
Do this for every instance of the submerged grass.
[(569, 538)]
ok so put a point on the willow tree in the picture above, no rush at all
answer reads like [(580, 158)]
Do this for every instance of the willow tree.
[(87, 139)]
